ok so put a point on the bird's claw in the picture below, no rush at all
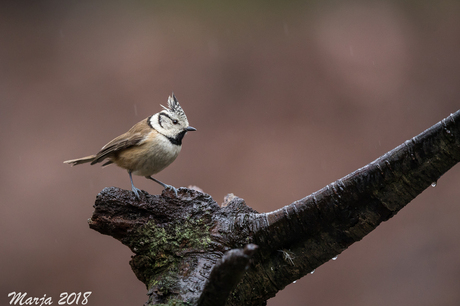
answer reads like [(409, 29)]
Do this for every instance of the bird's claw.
[(169, 187), (136, 192)]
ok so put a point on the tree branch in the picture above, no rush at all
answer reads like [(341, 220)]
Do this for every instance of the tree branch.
[(225, 275), (178, 241), (323, 224)]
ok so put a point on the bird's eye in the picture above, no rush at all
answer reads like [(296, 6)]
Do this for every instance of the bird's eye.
[(175, 121)]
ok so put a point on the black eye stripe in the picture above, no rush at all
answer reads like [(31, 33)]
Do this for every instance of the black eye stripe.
[(160, 119), (167, 116)]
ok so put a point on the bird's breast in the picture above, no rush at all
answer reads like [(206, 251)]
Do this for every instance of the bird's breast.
[(152, 155)]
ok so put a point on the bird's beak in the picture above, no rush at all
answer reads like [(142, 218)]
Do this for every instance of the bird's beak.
[(190, 128)]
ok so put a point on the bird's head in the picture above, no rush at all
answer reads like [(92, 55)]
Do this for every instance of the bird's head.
[(171, 121)]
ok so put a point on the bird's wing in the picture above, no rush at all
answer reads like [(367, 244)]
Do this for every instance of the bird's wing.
[(131, 138)]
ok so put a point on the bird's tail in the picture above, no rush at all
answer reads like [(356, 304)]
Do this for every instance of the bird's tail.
[(78, 161)]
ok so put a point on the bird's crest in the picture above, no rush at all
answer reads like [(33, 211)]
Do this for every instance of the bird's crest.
[(174, 106)]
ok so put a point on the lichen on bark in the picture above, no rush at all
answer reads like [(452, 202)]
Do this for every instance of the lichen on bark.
[(160, 247)]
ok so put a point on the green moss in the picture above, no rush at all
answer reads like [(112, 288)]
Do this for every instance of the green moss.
[(172, 238), (160, 249)]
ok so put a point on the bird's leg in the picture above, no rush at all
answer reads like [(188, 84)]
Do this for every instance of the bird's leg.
[(165, 186), (134, 189)]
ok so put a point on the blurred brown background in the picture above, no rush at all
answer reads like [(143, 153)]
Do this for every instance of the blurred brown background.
[(286, 96)]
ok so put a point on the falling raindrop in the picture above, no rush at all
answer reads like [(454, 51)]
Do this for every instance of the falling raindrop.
[(294, 282), (313, 271), (335, 258), (434, 184)]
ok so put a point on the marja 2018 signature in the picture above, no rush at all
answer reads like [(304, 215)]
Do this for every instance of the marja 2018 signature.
[(65, 298)]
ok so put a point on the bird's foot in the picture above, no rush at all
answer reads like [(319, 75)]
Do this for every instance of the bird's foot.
[(172, 188), (165, 186), (136, 192)]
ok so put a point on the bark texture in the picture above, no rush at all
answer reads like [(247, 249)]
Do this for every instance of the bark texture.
[(191, 251)]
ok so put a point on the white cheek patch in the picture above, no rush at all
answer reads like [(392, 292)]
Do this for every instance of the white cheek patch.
[(154, 121)]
